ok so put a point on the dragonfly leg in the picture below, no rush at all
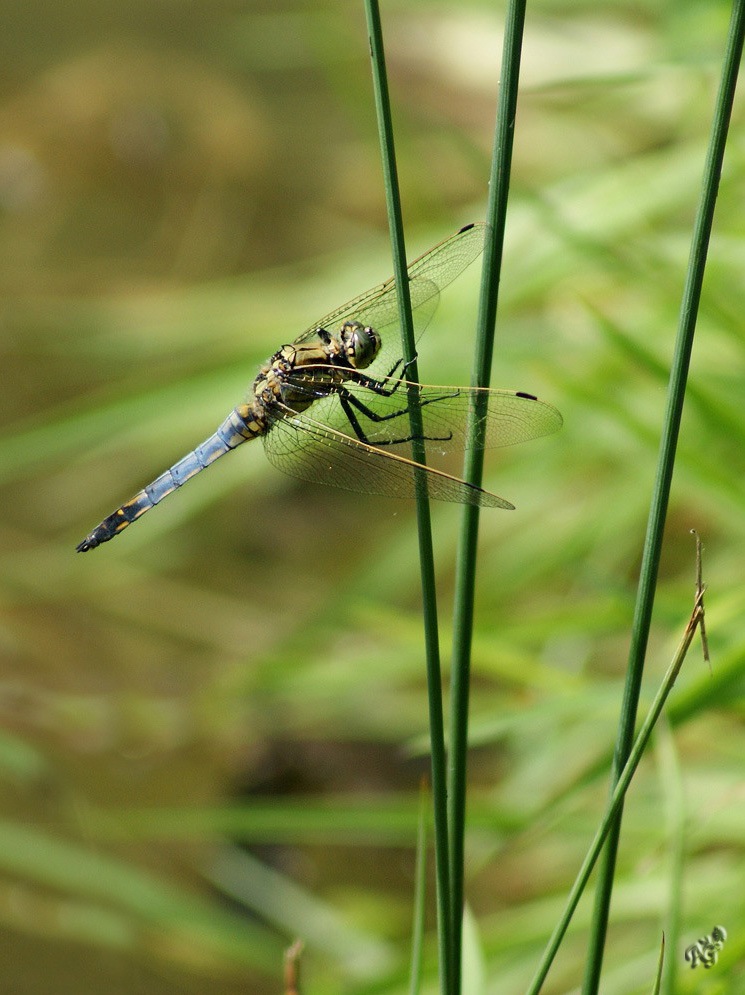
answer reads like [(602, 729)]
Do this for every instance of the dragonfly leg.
[(376, 388), (349, 401), (381, 386), (389, 377)]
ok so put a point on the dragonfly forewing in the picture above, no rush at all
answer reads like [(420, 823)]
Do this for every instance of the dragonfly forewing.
[(428, 275), (510, 417)]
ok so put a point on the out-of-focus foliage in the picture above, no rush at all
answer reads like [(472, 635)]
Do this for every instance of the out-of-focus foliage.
[(183, 189)]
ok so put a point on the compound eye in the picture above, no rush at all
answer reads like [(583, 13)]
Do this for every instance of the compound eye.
[(362, 346)]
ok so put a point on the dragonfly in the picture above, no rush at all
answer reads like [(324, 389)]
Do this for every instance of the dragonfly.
[(333, 406)]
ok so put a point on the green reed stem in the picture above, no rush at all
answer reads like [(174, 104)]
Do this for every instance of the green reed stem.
[(426, 558), (465, 578), (616, 800), (665, 464), (420, 894)]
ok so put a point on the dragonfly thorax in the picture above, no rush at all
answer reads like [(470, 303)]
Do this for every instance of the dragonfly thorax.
[(360, 344)]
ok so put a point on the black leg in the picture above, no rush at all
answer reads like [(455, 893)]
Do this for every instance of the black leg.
[(349, 401), (374, 415), (379, 386)]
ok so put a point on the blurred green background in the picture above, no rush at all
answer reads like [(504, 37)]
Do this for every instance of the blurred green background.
[(213, 729)]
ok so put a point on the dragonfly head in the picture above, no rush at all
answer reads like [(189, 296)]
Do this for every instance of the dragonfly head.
[(360, 344)]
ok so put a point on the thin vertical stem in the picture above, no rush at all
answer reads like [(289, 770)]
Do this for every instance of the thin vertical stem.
[(420, 894), (617, 795), (468, 543), (426, 558), (665, 464)]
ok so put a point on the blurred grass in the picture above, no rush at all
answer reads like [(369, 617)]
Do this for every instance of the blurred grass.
[(225, 656)]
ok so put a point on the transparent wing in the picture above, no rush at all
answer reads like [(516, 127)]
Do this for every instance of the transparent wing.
[(510, 417), (428, 274), (323, 447), (303, 447)]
